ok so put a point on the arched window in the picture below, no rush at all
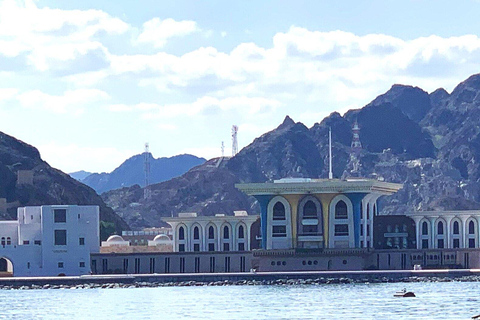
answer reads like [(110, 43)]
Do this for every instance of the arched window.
[(341, 210), (241, 232), (9, 241), (226, 233), (211, 233), (196, 233), (368, 211), (309, 210), (181, 233), (456, 227), (440, 227), (3, 241), (278, 211), (471, 227), (424, 228)]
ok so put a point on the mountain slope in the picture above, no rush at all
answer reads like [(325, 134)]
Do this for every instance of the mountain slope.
[(46, 186)]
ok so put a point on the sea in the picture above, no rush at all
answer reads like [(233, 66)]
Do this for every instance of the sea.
[(434, 300)]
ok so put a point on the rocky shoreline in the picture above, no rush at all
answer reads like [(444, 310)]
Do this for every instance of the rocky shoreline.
[(277, 282)]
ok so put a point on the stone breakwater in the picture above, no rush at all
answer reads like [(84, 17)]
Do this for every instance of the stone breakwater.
[(277, 282)]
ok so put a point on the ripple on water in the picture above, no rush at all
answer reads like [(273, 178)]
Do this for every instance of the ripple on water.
[(442, 300)]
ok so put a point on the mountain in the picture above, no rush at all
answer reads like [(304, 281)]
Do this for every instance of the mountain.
[(428, 142), (27, 180), (132, 171), (79, 175)]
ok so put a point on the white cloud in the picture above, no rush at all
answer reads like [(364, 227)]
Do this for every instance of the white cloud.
[(73, 101), (7, 93), (207, 106), (157, 32), (47, 36), (66, 156)]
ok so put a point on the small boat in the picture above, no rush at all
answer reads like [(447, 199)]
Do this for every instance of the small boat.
[(404, 294)]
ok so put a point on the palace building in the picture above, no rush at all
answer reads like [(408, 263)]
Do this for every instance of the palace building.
[(314, 213)]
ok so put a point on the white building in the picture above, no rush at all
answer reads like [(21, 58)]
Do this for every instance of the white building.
[(49, 241), (212, 233)]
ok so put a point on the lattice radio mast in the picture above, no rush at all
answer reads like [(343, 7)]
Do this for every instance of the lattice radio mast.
[(146, 169), (234, 140)]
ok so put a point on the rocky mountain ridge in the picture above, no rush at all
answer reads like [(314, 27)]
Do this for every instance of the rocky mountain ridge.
[(27, 180), (428, 142), (132, 171)]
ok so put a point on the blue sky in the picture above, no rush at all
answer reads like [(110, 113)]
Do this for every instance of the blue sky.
[(89, 82)]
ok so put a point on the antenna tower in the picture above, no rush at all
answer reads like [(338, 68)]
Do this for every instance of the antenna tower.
[(234, 140), (330, 173), (146, 168), (223, 149)]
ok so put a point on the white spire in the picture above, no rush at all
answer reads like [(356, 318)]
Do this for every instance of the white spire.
[(330, 173)]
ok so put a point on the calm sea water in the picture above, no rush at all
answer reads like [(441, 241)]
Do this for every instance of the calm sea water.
[(452, 300)]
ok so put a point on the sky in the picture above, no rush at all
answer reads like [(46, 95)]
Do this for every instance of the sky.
[(90, 82)]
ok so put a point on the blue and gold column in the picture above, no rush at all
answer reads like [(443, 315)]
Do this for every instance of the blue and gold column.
[(356, 199), (263, 201)]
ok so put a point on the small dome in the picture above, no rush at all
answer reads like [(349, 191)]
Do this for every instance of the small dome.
[(115, 238), (161, 237)]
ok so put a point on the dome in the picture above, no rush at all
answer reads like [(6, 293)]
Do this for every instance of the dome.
[(161, 237), (115, 238)]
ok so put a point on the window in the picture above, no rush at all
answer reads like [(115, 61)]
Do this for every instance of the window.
[(227, 264), (341, 230), (182, 265), (471, 228), (309, 210), (196, 233), (440, 227), (181, 233), (241, 233), (341, 210), (60, 237), (197, 264), (226, 247), (167, 265), (456, 243), (471, 243), (424, 244), (137, 265), (212, 264), (211, 233), (279, 231), (424, 228), (81, 264), (152, 265), (241, 246), (278, 211), (60, 264), (181, 247), (3, 241), (26, 242), (196, 247), (440, 244), (9, 241), (456, 228), (211, 247), (81, 241), (226, 232), (60, 215), (125, 265), (310, 229)]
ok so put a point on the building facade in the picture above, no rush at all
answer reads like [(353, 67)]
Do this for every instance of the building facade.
[(313, 213), (192, 233), (49, 241)]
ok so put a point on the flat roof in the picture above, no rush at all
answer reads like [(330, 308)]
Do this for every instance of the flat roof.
[(294, 186)]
